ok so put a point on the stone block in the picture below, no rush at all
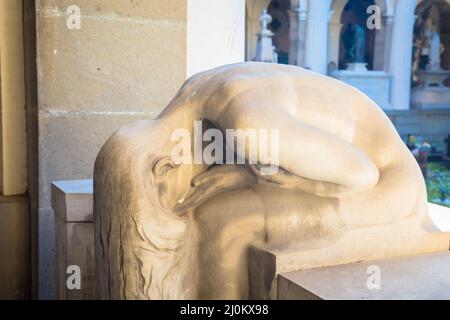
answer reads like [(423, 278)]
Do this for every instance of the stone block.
[(365, 244), (69, 144), (74, 238), (72, 200), (421, 277)]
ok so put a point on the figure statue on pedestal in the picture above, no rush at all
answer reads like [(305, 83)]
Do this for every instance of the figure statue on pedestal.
[(430, 91), (346, 187), (434, 47), (354, 40)]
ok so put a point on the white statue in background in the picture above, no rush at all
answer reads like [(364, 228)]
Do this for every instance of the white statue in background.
[(265, 50), (434, 48)]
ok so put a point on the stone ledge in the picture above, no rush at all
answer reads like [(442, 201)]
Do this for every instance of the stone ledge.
[(421, 277), (401, 239), (73, 200)]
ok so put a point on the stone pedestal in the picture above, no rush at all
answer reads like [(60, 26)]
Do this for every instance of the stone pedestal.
[(72, 203), (270, 269), (375, 84), (423, 277), (357, 67), (432, 93), (429, 98), (364, 244)]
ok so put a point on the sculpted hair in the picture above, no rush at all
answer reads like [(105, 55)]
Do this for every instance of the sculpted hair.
[(144, 259)]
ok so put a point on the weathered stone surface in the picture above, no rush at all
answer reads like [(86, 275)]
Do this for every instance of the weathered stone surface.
[(74, 246)]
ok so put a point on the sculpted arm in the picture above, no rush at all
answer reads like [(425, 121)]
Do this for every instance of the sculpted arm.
[(306, 151)]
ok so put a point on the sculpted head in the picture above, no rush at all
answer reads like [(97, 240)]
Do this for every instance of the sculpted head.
[(169, 226)]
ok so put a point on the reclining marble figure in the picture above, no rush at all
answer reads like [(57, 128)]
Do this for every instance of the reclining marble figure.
[(182, 231)]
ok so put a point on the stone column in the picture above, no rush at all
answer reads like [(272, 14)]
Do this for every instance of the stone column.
[(302, 24), (13, 166), (293, 36), (317, 35), (383, 39), (401, 54)]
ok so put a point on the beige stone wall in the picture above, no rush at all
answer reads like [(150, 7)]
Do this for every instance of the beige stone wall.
[(253, 10)]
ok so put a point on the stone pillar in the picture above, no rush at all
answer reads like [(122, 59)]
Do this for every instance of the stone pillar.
[(317, 35), (388, 26), (293, 36), (401, 53), (383, 40), (253, 10), (302, 25), (334, 42), (13, 152), (72, 202)]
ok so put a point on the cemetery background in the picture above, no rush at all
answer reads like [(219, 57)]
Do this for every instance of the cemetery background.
[(74, 71)]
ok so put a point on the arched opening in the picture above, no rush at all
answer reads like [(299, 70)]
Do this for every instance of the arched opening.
[(279, 10), (358, 54), (377, 41), (354, 26)]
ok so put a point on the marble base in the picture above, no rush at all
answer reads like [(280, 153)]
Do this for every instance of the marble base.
[(431, 78), (422, 277), (357, 66), (72, 202), (375, 84), (430, 97)]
